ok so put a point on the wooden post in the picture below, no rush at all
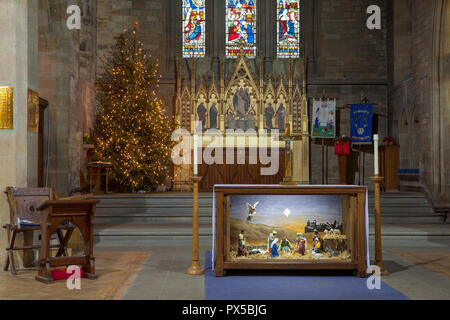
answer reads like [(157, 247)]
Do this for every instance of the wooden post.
[(359, 165), (195, 269), (378, 247), (288, 180), (323, 161), (363, 168), (343, 174), (326, 164)]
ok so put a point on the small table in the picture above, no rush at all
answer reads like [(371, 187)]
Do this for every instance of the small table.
[(99, 169), (79, 213)]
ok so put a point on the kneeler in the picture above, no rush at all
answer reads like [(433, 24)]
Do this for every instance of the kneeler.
[(24, 216), (76, 212)]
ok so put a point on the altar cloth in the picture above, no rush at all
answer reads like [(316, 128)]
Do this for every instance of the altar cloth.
[(366, 212)]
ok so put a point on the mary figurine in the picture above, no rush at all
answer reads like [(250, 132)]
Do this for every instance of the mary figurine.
[(274, 249)]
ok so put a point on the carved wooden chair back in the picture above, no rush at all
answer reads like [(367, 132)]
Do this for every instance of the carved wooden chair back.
[(25, 216), (24, 202)]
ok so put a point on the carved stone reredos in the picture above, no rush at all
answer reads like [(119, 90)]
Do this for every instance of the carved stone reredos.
[(241, 76), (221, 93)]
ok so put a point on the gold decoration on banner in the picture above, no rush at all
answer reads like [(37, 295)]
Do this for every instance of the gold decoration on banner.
[(33, 111), (6, 108)]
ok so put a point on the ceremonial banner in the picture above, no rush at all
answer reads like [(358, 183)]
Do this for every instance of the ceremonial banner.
[(361, 116), (324, 119)]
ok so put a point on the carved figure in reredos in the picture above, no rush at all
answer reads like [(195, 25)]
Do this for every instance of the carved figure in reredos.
[(201, 111), (269, 113), (241, 102), (213, 116), (281, 117)]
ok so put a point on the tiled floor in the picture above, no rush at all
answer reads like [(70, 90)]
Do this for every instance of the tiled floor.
[(419, 268), (116, 271)]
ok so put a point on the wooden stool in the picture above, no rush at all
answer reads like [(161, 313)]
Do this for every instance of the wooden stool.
[(104, 169), (53, 214)]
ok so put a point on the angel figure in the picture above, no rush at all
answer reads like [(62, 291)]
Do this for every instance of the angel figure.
[(251, 210)]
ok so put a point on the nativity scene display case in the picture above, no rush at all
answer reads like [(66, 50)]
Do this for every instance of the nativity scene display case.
[(290, 227)]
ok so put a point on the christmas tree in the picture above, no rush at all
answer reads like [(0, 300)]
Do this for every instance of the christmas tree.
[(131, 129)]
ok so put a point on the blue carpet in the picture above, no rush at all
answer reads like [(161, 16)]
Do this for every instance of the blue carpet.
[(298, 287)]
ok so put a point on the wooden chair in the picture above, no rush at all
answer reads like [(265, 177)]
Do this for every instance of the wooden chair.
[(25, 216)]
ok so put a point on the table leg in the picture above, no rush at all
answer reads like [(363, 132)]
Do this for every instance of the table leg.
[(44, 272), (90, 180), (63, 241), (106, 178)]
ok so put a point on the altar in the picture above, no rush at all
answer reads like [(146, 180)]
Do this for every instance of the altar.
[(240, 105), (285, 227)]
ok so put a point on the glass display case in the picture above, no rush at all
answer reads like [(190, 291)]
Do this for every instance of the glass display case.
[(290, 227)]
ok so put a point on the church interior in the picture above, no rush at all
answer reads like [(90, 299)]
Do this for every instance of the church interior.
[(147, 147)]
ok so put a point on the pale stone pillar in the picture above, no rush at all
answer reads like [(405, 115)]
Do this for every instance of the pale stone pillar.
[(300, 158), (18, 65)]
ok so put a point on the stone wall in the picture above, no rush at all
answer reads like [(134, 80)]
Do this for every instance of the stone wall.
[(420, 91), (18, 65), (154, 27), (345, 57), (349, 62), (67, 80)]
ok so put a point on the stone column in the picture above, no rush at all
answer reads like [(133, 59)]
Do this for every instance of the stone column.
[(18, 62), (300, 158)]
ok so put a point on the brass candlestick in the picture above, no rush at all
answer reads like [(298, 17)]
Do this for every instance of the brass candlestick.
[(378, 247), (195, 268)]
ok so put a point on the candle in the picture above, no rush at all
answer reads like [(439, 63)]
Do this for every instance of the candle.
[(375, 153), (195, 155)]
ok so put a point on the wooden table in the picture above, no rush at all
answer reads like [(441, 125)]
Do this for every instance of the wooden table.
[(80, 213), (354, 216)]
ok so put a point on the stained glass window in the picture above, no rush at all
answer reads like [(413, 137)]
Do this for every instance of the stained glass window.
[(194, 32), (288, 29), (240, 28)]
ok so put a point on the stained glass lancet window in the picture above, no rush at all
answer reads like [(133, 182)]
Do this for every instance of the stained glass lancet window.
[(194, 32), (240, 28), (288, 30)]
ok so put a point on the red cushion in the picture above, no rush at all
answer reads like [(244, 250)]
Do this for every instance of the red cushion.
[(342, 148), (61, 274)]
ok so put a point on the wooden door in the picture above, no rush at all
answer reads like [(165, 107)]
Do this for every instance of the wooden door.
[(43, 104)]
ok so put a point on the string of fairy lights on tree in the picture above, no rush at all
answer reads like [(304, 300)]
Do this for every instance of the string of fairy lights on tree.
[(132, 131)]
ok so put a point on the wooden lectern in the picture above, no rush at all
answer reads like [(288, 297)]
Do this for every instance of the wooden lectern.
[(77, 212)]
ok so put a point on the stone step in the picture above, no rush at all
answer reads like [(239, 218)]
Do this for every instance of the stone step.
[(149, 219), (172, 208), (139, 219), (412, 219), (148, 232), (152, 210), (187, 205), (418, 219), (183, 232)]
